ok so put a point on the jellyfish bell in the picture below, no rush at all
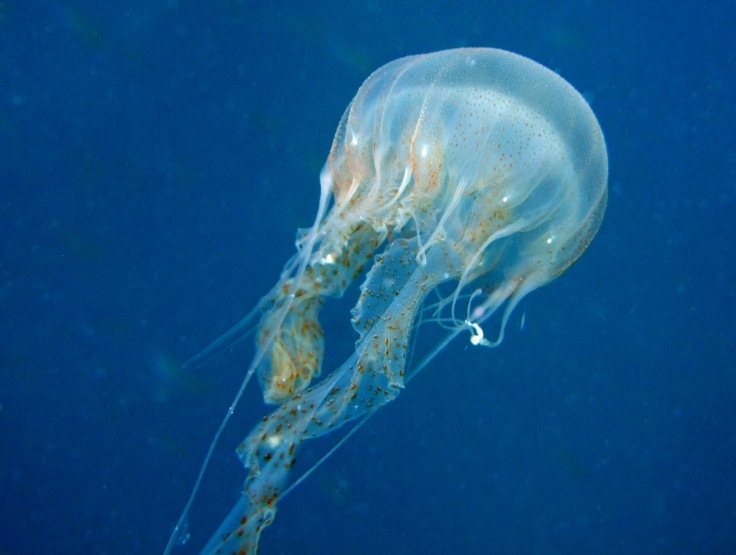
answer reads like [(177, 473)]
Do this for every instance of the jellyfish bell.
[(483, 150), (476, 168)]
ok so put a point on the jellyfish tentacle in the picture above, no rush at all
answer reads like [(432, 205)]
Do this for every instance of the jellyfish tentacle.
[(230, 338), (438, 233), (370, 378)]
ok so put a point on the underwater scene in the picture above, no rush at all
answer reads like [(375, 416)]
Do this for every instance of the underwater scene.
[(367, 278)]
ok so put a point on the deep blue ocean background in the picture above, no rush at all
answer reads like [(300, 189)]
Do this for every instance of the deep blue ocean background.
[(156, 161)]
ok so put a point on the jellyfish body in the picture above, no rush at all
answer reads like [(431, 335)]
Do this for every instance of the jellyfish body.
[(473, 167)]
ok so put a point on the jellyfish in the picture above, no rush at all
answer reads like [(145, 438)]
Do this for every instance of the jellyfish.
[(457, 183)]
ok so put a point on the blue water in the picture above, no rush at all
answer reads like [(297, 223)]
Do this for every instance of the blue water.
[(156, 160)]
